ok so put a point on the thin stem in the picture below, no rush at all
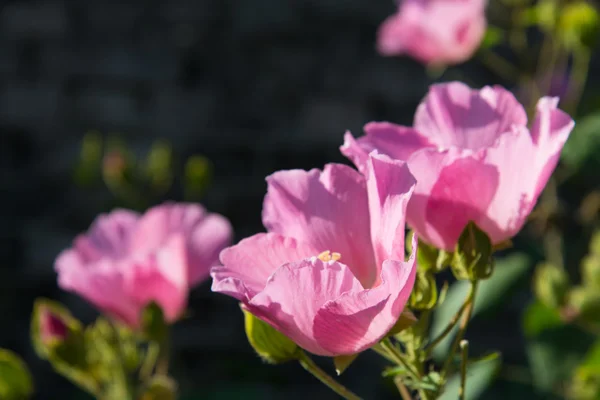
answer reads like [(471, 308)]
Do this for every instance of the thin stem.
[(448, 328), (399, 357), (126, 387), (461, 329), (150, 359), (402, 388), (464, 351), (164, 353), (577, 78), (309, 365), (377, 349)]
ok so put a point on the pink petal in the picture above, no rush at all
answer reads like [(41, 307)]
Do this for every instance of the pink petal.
[(295, 293), (248, 265), (452, 114), (207, 239), (396, 141), (325, 310), (357, 320), (207, 234), (525, 163), (390, 185), (453, 187), (108, 236), (162, 278), (328, 210)]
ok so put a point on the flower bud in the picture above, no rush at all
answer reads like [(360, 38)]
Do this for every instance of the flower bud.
[(587, 303), (550, 285), (473, 256), (424, 295), (52, 327), (578, 24), (270, 344)]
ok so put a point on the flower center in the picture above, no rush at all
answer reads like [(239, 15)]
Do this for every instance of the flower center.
[(329, 256)]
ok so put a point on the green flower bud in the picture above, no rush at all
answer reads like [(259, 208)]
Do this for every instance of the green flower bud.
[(424, 295), (550, 285), (473, 256), (578, 24), (270, 344)]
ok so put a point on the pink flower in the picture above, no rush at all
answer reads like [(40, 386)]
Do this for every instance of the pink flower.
[(52, 327), (330, 274), (126, 261), (473, 158), (434, 31)]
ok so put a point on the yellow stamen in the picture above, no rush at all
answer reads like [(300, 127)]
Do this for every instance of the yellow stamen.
[(329, 256)]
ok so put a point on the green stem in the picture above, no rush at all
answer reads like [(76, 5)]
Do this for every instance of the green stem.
[(461, 329), (162, 365), (126, 387), (449, 327), (464, 351), (577, 78), (309, 365), (150, 359), (398, 357), (404, 393)]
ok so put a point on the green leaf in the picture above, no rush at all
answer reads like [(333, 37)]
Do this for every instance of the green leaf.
[(270, 344), (15, 380), (507, 273), (550, 284), (154, 325), (583, 143), (424, 294), (538, 317), (343, 362), (479, 376), (493, 36)]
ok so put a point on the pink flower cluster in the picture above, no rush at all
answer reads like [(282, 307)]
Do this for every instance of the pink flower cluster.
[(331, 273)]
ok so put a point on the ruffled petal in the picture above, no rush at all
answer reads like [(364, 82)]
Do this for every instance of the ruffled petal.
[(328, 210), (390, 185), (248, 265), (454, 115), (211, 235), (295, 293), (453, 187), (357, 320)]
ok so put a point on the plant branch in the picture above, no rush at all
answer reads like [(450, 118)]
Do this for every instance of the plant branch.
[(309, 365)]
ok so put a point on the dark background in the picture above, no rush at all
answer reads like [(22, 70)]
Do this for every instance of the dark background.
[(253, 85)]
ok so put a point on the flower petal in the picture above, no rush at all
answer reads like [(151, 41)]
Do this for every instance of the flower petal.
[(108, 236), (161, 277), (207, 234), (357, 320), (328, 210), (248, 265), (295, 293), (206, 240), (454, 115), (390, 185), (453, 187)]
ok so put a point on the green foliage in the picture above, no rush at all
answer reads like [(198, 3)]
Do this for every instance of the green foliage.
[(341, 363), (473, 256), (270, 344), (479, 376), (154, 326), (425, 294), (159, 388), (493, 36), (583, 143), (578, 24), (551, 284), (491, 292), (15, 380)]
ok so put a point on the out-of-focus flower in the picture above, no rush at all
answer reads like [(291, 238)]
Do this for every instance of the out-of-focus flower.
[(330, 274), (125, 261), (441, 32), (473, 158)]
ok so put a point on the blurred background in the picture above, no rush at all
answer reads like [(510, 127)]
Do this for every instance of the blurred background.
[(199, 101)]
